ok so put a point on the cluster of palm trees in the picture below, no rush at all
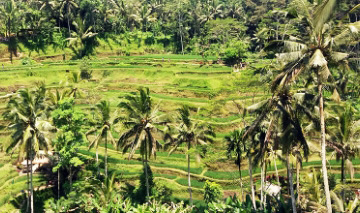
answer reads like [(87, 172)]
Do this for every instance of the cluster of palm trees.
[(313, 62), (28, 113), (77, 23)]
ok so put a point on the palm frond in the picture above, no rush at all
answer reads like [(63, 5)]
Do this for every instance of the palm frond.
[(322, 14)]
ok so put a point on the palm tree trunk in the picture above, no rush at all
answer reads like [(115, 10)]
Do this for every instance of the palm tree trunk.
[(276, 172), (97, 162), (298, 181), (58, 186), (31, 182), (106, 173), (28, 181), (180, 31), (342, 170), (323, 148), (70, 176), (264, 177), (189, 180), (68, 19), (241, 182), (291, 185), (262, 185), (252, 183), (147, 176), (343, 176)]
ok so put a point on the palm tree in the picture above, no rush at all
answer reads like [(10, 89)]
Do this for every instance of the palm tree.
[(142, 120), (249, 154), (284, 128), (10, 12), (25, 113), (106, 192), (192, 134), (83, 41), (67, 6), (315, 52), (343, 139), (104, 130), (234, 145)]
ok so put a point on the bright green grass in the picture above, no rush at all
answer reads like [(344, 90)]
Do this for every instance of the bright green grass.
[(167, 176), (7, 172), (17, 188), (162, 165), (166, 57), (194, 183)]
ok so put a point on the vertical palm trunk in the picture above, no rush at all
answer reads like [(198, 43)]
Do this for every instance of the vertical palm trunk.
[(342, 169), (264, 179), (106, 172), (241, 182), (9, 39), (68, 19), (291, 185), (298, 181), (252, 183), (323, 149), (58, 186), (343, 176), (276, 171), (70, 176), (28, 181), (180, 31), (31, 182), (147, 176), (97, 161), (262, 185), (189, 180)]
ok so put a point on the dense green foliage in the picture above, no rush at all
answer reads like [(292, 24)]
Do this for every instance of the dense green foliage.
[(277, 81), (201, 27)]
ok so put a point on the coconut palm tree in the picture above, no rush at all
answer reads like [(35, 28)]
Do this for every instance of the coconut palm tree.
[(25, 111), (312, 54), (67, 6), (343, 138), (11, 14), (283, 128), (83, 41), (142, 121), (192, 134), (103, 130), (234, 146)]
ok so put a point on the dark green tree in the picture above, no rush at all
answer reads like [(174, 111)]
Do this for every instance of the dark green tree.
[(69, 123)]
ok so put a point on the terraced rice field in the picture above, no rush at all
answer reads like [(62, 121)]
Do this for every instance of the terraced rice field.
[(173, 80)]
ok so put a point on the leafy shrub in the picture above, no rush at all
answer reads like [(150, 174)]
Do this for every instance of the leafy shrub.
[(106, 73), (27, 61), (213, 192), (161, 192), (140, 194), (85, 71), (235, 53)]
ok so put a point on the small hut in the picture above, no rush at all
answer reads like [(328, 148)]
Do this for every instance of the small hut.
[(42, 159)]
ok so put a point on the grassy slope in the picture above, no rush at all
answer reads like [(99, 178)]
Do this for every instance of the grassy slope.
[(174, 81)]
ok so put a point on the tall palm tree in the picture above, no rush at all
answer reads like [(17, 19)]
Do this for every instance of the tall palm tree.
[(192, 134), (234, 146), (104, 129), (279, 116), (318, 49), (83, 41), (10, 12), (26, 116), (344, 137), (67, 6), (142, 121)]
